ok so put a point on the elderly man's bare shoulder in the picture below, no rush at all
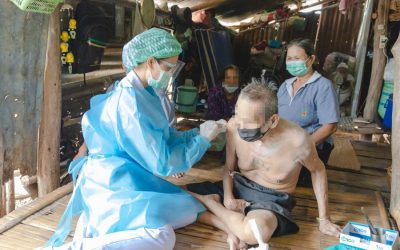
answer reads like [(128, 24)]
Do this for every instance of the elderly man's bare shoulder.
[(231, 124)]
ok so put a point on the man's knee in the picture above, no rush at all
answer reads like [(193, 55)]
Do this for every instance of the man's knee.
[(249, 236), (266, 224)]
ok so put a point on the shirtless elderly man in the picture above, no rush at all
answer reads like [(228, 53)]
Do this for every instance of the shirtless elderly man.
[(264, 156)]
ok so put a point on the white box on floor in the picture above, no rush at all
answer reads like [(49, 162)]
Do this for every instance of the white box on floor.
[(355, 236)]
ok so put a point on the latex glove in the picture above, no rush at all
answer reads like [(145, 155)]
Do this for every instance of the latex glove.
[(210, 129), (222, 125)]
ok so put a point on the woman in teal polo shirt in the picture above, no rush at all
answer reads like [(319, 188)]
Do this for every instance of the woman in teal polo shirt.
[(309, 100)]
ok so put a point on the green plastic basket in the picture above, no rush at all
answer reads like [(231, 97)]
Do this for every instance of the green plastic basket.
[(41, 6)]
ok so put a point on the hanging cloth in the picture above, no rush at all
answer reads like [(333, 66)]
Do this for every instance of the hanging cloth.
[(137, 24), (345, 6), (215, 53)]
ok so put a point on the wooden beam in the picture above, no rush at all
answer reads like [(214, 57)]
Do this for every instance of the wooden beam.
[(27, 180), (395, 194), (30, 185), (382, 210), (92, 78), (378, 62), (49, 132)]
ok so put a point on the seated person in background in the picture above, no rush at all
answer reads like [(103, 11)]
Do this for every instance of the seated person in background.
[(222, 99), (264, 156), (343, 82), (309, 100)]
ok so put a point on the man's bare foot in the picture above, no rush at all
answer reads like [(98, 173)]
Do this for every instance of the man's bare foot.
[(235, 243), (178, 175), (206, 199), (238, 205)]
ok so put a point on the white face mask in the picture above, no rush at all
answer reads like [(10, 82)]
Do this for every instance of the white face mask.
[(161, 82), (230, 89)]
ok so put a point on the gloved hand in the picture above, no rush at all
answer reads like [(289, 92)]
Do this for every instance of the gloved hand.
[(210, 129), (222, 125)]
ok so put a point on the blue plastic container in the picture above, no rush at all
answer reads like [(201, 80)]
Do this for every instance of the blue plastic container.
[(387, 119), (386, 91)]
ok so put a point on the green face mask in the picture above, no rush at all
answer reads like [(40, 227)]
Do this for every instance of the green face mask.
[(230, 89), (297, 68), (161, 82)]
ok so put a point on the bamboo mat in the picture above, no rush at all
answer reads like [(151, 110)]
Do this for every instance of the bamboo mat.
[(36, 229)]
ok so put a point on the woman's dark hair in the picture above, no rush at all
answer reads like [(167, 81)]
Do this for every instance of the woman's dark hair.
[(303, 43), (230, 67)]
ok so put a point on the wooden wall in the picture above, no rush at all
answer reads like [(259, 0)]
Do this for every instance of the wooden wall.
[(310, 31), (338, 32), (23, 39)]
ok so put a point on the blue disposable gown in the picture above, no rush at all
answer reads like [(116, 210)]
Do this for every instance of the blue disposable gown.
[(130, 145)]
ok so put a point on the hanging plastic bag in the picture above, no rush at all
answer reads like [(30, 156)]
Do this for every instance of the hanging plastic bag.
[(388, 75)]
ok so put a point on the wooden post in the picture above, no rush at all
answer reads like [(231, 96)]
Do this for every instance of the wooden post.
[(49, 132), (318, 31), (2, 208), (119, 20), (378, 62), (3, 200), (362, 42), (395, 194), (10, 194), (382, 210)]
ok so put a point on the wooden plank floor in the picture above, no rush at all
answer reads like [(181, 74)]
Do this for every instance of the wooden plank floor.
[(373, 155), (344, 206)]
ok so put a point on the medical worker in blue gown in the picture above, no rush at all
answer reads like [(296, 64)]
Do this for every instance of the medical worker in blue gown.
[(122, 201)]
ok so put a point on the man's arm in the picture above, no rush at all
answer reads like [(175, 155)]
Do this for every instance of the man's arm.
[(320, 185), (230, 201), (230, 162)]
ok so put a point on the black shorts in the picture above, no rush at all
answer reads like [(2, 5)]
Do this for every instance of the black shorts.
[(259, 197)]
